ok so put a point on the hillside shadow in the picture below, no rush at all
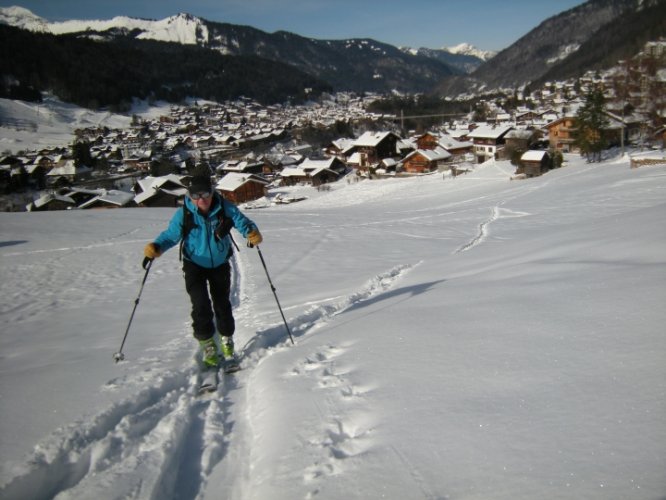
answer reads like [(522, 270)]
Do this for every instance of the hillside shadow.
[(407, 292), (11, 243), (300, 325)]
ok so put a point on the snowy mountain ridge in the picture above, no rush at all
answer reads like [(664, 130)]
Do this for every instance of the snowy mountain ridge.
[(181, 28), (467, 49)]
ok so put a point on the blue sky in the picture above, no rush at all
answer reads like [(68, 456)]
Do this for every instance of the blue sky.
[(487, 24)]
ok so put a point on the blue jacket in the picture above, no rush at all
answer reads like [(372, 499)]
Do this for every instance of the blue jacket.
[(201, 245)]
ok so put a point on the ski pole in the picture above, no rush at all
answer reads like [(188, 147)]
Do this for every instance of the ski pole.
[(119, 356), (263, 262)]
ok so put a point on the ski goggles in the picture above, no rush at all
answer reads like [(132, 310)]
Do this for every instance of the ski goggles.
[(201, 195)]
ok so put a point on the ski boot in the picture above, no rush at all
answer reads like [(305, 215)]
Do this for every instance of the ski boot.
[(210, 357), (230, 362)]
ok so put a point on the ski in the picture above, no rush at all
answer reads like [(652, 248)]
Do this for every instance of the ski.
[(209, 381), (231, 365)]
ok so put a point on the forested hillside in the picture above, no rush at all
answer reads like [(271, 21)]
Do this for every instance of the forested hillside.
[(98, 74)]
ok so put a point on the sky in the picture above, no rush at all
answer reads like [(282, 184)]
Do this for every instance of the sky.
[(462, 338), (486, 24)]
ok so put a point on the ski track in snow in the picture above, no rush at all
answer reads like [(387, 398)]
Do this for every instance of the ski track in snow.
[(165, 440)]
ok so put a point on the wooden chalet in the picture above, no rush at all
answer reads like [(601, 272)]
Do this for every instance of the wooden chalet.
[(534, 163), (456, 147), (427, 140), (166, 191), (561, 134), (518, 140), (51, 202), (339, 148), (314, 172), (241, 188), (425, 160), (373, 147)]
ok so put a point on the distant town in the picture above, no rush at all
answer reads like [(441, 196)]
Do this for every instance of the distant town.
[(252, 149)]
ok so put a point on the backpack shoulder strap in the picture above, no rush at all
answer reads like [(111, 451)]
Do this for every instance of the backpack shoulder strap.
[(187, 226)]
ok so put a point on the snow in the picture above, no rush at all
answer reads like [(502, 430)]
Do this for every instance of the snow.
[(464, 338), (470, 50), (27, 125)]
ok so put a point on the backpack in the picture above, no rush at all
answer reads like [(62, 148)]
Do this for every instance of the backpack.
[(224, 225)]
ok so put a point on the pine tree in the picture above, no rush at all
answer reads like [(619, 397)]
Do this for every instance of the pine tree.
[(591, 124)]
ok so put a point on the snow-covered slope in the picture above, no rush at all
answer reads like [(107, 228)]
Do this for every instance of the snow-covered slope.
[(467, 338), (23, 18)]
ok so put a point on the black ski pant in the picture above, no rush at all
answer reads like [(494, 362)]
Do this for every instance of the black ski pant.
[(197, 282)]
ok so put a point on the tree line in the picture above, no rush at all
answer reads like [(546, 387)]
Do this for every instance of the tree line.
[(97, 74)]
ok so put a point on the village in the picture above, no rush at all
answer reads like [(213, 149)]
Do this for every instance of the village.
[(253, 149)]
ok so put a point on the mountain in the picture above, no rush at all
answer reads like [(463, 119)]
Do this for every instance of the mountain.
[(464, 57), (620, 39), (573, 35), (353, 64)]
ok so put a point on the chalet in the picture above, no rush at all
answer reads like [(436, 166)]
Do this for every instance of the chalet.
[(315, 172), (166, 191), (241, 188), (534, 163), (454, 146), (524, 117), (518, 140), (334, 164), (339, 147), (425, 160), (50, 202), (36, 175), (375, 146), (488, 140), (324, 171), (561, 134), (292, 176), (67, 174), (427, 140)]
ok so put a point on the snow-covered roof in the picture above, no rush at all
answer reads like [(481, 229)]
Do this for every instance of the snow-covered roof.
[(112, 196), (68, 169), (152, 185), (233, 180), (533, 155), (293, 172), (489, 132), (371, 139), (431, 154), (448, 142)]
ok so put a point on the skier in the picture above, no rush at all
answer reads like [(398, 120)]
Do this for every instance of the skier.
[(202, 227)]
